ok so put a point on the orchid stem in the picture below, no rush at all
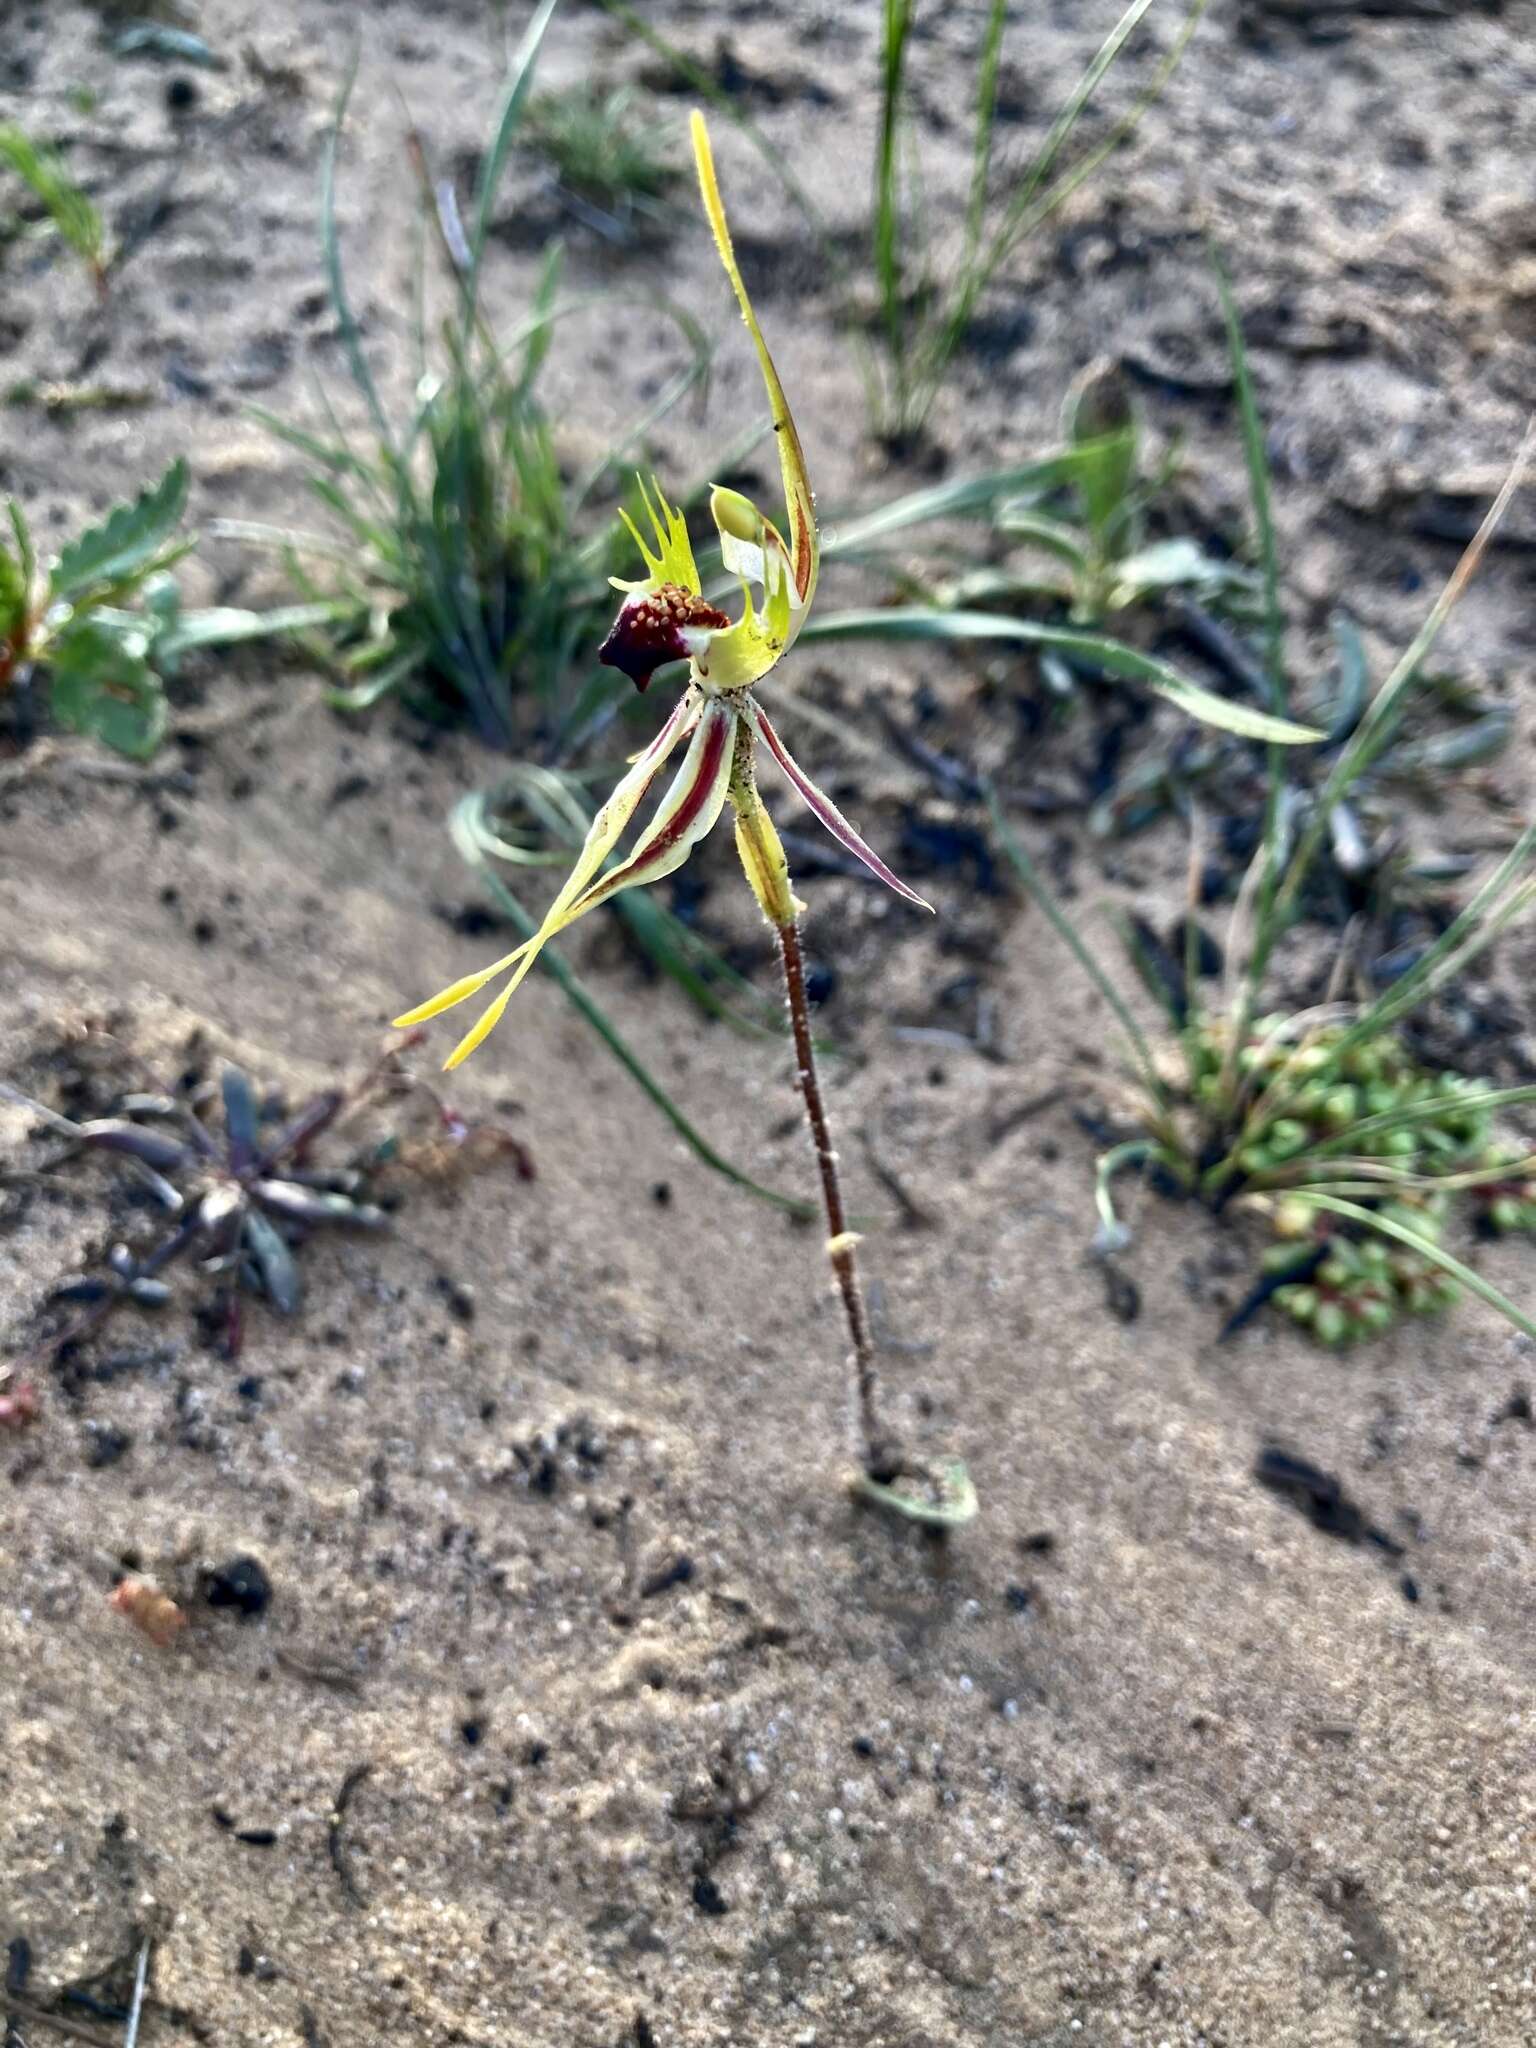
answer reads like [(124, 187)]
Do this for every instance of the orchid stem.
[(882, 1457)]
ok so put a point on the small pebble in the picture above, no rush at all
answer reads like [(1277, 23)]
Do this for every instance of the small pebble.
[(242, 1584)]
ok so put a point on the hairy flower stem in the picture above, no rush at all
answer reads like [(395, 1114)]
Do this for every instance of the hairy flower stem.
[(882, 1457), (762, 857)]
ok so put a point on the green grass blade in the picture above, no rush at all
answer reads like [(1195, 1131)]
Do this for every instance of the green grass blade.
[(886, 251), (1266, 927), (1469, 933), (1428, 1112), (561, 816), (1060, 131), (1473, 929), (1022, 218), (714, 95), (261, 533), (229, 625), (1026, 211), (42, 171), (1111, 655), (514, 97), (1257, 459), (693, 372), (988, 65), (678, 952), (335, 276), (709, 89), (964, 498), (1376, 725), (393, 671)]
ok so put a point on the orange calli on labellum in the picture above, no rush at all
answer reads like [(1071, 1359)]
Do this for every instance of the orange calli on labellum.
[(665, 617)]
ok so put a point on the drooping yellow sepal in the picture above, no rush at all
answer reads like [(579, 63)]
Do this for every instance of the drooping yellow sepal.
[(607, 828)]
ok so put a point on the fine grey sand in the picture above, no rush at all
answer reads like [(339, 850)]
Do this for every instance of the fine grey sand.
[(660, 1739)]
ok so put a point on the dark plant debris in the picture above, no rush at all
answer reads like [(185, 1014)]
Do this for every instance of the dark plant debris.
[(1321, 1498), (244, 1192)]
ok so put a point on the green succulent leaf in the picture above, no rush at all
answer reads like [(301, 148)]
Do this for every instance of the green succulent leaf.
[(125, 547), (102, 688), (274, 1262), (1435, 1255)]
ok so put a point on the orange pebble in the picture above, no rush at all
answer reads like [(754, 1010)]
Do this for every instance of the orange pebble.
[(153, 1613)]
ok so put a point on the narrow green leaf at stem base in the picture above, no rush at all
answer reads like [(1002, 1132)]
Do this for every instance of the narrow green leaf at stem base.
[(948, 1500)]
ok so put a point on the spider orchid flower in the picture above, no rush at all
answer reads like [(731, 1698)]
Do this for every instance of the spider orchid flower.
[(665, 617)]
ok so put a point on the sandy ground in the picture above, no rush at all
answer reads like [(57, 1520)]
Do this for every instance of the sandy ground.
[(661, 1741)]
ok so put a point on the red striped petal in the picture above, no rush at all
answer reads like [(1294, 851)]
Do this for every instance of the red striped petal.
[(687, 813), (824, 808)]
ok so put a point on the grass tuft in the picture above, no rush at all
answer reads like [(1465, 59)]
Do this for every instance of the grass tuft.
[(606, 153), (75, 219), (1322, 1120)]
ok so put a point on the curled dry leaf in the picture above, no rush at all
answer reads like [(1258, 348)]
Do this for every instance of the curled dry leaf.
[(153, 1613), (458, 1152)]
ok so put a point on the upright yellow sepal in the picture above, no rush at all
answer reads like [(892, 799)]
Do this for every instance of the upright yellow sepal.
[(803, 548)]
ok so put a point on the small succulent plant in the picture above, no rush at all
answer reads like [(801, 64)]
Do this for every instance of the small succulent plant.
[(1372, 1114), (1358, 1287), (1338, 1100), (1323, 1119), (1507, 1202)]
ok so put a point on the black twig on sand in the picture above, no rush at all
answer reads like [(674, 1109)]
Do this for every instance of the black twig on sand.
[(337, 1847), (37, 2016), (18, 1966)]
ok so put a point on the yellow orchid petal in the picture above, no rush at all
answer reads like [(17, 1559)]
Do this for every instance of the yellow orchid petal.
[(458, 991), (804, 552), (686, 813), (485, 1023), (607, 827), (823, 808)]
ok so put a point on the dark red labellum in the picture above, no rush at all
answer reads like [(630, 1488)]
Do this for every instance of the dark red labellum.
[(648, 633)]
